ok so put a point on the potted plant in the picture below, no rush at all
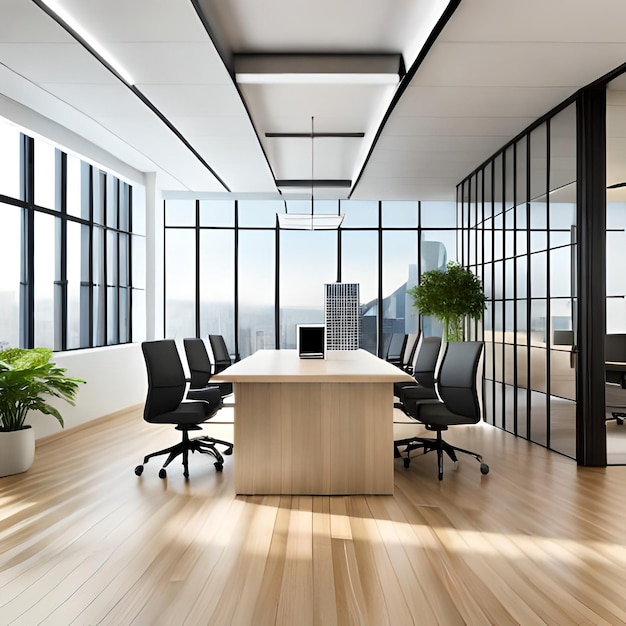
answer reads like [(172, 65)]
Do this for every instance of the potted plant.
[(27, 378), (450, 296)]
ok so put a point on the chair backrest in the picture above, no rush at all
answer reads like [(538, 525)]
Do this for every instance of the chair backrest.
[(425, 362), (198, 362), (166, 377), (396, 347), (458, 379), (409, 350), (221, 355)]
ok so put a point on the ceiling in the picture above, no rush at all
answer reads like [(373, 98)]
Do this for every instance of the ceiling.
[(493, 69)]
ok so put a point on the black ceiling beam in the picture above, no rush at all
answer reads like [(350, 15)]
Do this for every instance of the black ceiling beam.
[(318, 182)]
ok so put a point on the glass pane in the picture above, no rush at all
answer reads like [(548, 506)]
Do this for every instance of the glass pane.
[(563, 426), (124, 258), (74, 272), (401, 214), (217, 285), (180, 212), (561, 272), (124, 206), (359, 214), (113, 335), (438, 215), (538, 322), (359, 264), (10, 140), (74, 192), (45, 174), (220, 212), (99, 299), (308, 260), (538, 418), (10, 226), (99, 195), (538, 162), (509, 184), (256, 291), (263, 213), (563, 148), (112, 258), (112, 201), (180, 283), (538, 275), (45, 251)]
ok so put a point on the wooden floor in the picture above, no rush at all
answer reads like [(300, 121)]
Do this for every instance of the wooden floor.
[(84, 541)]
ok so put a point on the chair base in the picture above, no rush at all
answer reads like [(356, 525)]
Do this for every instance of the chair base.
[(428, 444), (203, 445), (618, 417)]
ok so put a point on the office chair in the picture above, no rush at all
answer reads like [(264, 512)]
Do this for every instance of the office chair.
[(458, 388), (423, 372), (615, 376), (201, 369), (409, 352), (395, 351), (165, 405)]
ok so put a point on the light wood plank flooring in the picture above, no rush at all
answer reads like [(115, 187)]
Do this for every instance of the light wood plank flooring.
[(84, 541)]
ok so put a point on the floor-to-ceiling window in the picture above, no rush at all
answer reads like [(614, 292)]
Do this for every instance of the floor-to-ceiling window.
[(230, 270), (72, 237)]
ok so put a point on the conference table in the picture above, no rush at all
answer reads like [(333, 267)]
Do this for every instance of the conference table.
[(313, 426)]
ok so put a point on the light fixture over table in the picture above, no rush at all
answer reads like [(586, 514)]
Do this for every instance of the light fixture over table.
[(309, 221)]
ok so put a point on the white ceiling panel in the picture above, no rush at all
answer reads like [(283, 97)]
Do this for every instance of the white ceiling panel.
[(495, 68)]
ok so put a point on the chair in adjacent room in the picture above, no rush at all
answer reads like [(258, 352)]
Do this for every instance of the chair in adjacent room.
[(459, 386), (615, 376), (165, 404)]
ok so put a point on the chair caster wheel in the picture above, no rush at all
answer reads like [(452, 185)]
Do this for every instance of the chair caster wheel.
[(218, 467), (484, 468), (407, 462), (139, 470), (162, 473)]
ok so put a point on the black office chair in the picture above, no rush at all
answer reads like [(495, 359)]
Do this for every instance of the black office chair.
[(458, 388), (423, 371), (615, 379), (409, 352), (395, 351), (201, 370), (165, 405)]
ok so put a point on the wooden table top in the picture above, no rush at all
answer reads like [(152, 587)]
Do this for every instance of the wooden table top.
[(280, 366)]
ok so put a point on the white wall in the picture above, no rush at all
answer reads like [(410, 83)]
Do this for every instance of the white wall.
[(116, 379)]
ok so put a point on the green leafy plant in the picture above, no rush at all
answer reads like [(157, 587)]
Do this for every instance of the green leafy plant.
[(26, 378), (450, 296)]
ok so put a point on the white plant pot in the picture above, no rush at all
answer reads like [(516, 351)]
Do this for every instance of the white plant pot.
[(17, 451)]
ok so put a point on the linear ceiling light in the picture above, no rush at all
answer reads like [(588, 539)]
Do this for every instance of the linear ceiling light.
[(312, 220), (70, 21), (294, 69)]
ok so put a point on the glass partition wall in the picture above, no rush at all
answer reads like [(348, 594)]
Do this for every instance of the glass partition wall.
[(229, 269), (519, 236)]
